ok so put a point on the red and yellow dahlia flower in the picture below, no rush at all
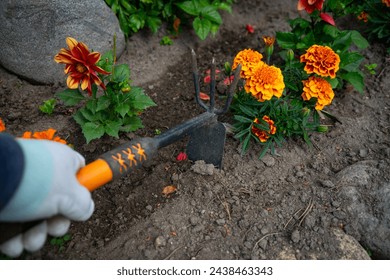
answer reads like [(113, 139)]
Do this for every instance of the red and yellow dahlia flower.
[(310, 5), (2, 125), (386, 2), (265, 82), (318, 88), (262, 134), (80, 64), (248, 59), (321, 60)]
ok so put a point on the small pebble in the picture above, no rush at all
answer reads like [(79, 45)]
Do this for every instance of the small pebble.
[(160, 241)]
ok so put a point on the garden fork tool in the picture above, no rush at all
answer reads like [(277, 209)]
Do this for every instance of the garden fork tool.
[(206, 142)]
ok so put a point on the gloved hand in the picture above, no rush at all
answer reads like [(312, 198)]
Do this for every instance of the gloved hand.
[(49, 190)]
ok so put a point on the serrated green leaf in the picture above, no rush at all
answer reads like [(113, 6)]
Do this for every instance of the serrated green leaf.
[(92, 131), (78, 117), (112, 128), (141, 101), (103, 103), (225, 7), (70, 97), (87, 114), (122, 109), (202, 27), (121, 73), (130, 124)]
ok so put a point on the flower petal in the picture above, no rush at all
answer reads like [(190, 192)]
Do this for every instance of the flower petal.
[(327, 18)]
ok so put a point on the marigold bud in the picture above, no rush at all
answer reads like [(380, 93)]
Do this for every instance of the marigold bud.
[(290, 55), (305, 112), (322, 128), (228, 68)]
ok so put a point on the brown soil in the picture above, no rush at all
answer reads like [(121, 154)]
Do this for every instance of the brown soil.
[(251, 209)]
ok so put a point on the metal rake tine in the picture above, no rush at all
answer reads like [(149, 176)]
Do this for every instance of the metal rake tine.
[(231, 91), (212, 86), (196, 81)]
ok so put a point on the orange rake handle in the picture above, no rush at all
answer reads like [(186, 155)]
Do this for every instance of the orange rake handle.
[(117, 162)]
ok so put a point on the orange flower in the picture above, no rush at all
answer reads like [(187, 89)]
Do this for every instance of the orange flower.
[(318, 88), (266, 82), (248, 59), (80, 64), (363, 16), (321, 60), (268, 40), (45, 135), (2, 125), (310, 5), (262, 134), (386, 2)]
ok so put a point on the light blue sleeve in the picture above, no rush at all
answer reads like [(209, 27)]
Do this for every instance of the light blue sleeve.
[(36, 181)]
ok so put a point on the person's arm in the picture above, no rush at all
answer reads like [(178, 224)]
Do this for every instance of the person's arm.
[(11, 168), (47, 188)]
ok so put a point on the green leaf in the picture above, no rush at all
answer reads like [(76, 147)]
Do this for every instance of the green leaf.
[(121, 73), (242, 119), (356, 79), (211, 14), (92, 131), (202, 27), (141, 101), (112, 128), (286, 40), (131, 124), (153, 23), (350, 61), (359, 40), (122, 109), (70, 97), (225, 7), (79, 118), (87, 114), (331, 30), (103, 103), (190, 7)]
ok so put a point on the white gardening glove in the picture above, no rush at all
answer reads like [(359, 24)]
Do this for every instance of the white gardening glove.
[(49, 188)]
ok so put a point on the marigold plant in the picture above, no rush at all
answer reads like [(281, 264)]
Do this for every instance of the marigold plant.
[(276, 102), (44, 135)]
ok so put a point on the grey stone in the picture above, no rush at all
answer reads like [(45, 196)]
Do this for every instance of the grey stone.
[(33, 32), (202, 168), (268, 160), (351, 249), (160, 241), (295, 236)]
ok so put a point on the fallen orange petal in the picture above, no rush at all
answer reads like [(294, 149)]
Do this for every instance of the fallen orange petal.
[(168, 190), (204, 96)]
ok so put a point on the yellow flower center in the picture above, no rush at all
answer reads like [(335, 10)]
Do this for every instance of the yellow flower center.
[(81, 68)]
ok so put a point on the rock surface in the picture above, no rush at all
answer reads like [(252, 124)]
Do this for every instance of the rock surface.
[(32, 33)]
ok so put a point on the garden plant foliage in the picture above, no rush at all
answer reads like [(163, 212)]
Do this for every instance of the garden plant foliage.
[(204, 14)]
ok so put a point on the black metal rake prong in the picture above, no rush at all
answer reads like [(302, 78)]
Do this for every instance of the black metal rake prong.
[(231, 90), (196, 81)]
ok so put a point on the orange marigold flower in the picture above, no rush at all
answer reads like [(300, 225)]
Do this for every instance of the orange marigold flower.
[(2, 125), (268, 40), (363, 16), (248, 59), (80, 64), (265, 82), (318, 88), (45, 135), (321, 60), (310, 5), (262, 134), (386, 2)]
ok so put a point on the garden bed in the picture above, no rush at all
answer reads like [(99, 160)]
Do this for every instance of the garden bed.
[(301, 203)]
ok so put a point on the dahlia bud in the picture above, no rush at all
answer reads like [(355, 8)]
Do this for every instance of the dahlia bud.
[(322, 128)]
